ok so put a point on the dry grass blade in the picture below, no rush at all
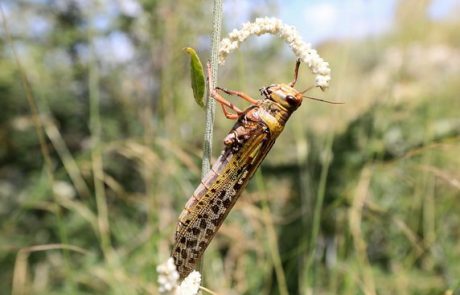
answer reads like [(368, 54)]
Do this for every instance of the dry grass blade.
[(355, 219), (208, 291), (67, 159), (449, 178), (20, 283)]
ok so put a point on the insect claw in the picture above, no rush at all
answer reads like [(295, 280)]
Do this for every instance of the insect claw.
[(296, 72)]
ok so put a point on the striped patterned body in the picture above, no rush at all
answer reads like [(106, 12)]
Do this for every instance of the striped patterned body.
[(246, 145)]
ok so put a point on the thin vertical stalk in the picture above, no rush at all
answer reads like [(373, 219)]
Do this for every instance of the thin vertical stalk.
[(355, 213), (96, 156), (210, 103), (318, 208), (36, 118), (38, 122), (272, 237)]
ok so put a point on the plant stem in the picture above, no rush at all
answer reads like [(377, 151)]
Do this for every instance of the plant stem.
[(310, 268), (272, 237), (210, 103), (96, 153), (38, 119)]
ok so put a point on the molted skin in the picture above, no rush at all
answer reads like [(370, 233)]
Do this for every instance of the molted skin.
[(246, 146)]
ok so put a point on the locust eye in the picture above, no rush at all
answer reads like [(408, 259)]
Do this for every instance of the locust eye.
[(291, 99)]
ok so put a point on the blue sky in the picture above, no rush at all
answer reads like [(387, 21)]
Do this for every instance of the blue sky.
[(319, 20), (316, 20)]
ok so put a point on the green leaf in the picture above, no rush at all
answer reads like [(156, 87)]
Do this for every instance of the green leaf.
[(197, 76)]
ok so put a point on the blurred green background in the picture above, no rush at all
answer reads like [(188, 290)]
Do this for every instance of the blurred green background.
[(101, 140)]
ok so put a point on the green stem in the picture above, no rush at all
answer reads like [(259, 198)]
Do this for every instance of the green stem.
[(39, 123), (96, 153), (318, 208), (272, 237), (210, 103)]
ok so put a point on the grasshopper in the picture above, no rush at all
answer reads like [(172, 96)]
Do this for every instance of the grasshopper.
[(246, 146)]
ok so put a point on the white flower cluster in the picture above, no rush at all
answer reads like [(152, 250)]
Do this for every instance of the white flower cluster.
[(275, 26), (168, 276), (168, 279), (190, 285)]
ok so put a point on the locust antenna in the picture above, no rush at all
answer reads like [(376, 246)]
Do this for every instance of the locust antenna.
[(308, 89), (296, 73), (323, 100)]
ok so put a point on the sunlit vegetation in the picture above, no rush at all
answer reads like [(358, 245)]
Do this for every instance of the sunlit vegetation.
[(101, 145)]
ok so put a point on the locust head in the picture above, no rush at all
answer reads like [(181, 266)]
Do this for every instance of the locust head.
[(283, 94), (287, 96)]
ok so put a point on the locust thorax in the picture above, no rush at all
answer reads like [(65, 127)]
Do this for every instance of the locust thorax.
[(284, 95)]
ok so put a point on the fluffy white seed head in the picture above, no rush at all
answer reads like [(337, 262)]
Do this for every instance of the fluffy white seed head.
[(168, 280), (168, 276), (190, 285), (276, 27)]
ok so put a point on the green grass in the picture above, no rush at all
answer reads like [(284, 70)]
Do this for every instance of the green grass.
[(353, 199)]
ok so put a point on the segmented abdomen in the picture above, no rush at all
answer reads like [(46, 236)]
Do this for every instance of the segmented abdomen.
[(253, 136), (213, 199)]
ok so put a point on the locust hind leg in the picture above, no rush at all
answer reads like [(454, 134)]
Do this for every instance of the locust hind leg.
[(229, 115), (221, 100), (296, 73), (225, 103), (240, 94)]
